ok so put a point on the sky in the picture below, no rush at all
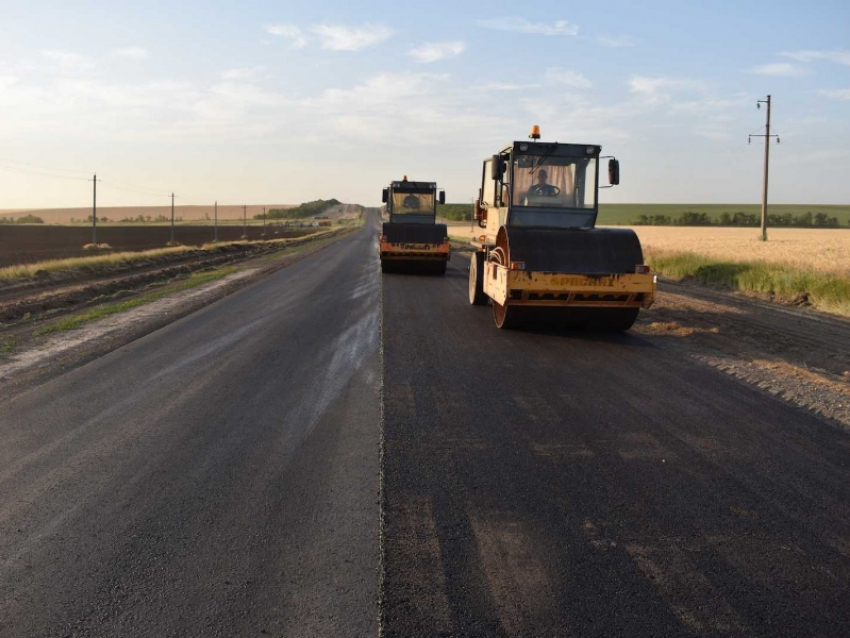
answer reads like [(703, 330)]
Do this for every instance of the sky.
[(283, 102)]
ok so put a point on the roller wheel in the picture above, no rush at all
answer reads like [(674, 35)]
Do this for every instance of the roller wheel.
[(391, 267), (439, 268), (476, 280), (506, 317), (615, 320)]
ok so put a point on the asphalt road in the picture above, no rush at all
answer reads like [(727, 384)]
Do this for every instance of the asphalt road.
[(567, 485), (221, 477)]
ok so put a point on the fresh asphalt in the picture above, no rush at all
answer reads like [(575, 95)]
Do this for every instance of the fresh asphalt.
[(222, 477), (219, 477)]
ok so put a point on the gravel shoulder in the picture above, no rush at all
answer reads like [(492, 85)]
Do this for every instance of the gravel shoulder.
[(29, 357), (800, 356)]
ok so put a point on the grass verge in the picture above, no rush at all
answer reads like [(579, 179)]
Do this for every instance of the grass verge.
[(194, 280), (827, 291)]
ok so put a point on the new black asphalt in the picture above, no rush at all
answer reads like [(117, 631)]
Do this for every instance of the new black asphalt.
[(219, 477), (584, 485)]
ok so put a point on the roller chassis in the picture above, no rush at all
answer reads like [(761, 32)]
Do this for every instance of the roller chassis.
[(419, 247), (569, 277)]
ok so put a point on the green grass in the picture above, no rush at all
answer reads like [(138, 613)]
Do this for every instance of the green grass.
[(455, 212), (7, 347), (825, 291), (99, 312), (623, 214)]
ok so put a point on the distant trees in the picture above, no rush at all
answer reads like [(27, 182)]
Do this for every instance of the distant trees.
[(308, 209), (23, 219), (455, 212), (784, 220)]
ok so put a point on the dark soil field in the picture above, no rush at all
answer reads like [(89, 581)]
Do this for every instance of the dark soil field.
[(29, 244)]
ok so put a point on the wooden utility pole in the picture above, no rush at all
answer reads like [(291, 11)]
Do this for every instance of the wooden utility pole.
[(215, 235), (264, 221), (94, 211), (172, 217), (245, 221), (766, 137)]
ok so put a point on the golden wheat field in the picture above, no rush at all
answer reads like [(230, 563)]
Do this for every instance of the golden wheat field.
[(824, 250)]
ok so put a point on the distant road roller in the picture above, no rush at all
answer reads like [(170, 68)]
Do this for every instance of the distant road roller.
[(541, 258), (411, 241)]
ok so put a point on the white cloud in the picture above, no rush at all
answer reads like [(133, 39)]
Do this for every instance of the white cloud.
[(838, 56), (521, 25), (556, 75), (296, 37), (837, 94), (434, 51), (335, 37), (423, 109), (782, 69), (134, 53), (506, 86), (68, 60), (659, 90), (616, 42), (244, 73)]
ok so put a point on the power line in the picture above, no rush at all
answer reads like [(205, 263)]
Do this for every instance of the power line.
[(15, 169), (132, 189), (44, 168)]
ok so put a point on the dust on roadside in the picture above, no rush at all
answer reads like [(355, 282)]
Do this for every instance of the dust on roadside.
[(800, 356)]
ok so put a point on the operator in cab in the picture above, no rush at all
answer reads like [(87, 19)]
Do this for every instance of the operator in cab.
[(542, 188)]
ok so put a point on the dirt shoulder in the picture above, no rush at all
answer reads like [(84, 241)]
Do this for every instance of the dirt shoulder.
[(798, 355), (31, 353)]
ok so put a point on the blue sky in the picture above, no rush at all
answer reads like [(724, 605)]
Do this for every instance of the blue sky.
[(272, 102)]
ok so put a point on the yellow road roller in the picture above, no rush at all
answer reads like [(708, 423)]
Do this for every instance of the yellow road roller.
[(540, 258), (411, 241)]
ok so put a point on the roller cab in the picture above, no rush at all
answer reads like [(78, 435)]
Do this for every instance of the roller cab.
[(540, 258), (411, 241)]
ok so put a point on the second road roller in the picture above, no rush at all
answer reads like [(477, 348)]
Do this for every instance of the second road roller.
[(541, 259), (411, 241)]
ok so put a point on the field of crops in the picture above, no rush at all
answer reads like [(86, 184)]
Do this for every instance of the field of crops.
[(29, 244), (625, 214)]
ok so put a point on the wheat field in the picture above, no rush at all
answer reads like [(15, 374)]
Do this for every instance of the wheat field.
[(825, 250)]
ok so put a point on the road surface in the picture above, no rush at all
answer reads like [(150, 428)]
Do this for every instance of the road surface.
[(568, 485), (223, 476), (219, 477)]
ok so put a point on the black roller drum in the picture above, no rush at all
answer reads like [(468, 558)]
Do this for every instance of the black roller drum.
[(595, 251), (415, 233)]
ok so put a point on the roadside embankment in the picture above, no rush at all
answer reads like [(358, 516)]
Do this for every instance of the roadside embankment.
[(46, 331), (828, 291)]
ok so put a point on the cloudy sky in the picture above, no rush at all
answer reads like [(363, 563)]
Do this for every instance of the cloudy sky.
[(259, 101)]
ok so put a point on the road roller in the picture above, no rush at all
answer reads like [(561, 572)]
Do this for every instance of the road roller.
[(540, 258), (411, 241)]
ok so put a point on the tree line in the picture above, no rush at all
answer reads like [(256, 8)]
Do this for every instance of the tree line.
[(23, 219), (784, 220), (307, 209)]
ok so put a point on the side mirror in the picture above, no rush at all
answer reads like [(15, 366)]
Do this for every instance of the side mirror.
[(386, 195), (477, 211), (613, 172), (496, 167), (442, 197)]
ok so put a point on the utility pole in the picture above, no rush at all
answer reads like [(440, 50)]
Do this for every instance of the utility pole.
[(172, 217), (264, 221), (94, 211), (766, 137), (245, 221), (215, 235)]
